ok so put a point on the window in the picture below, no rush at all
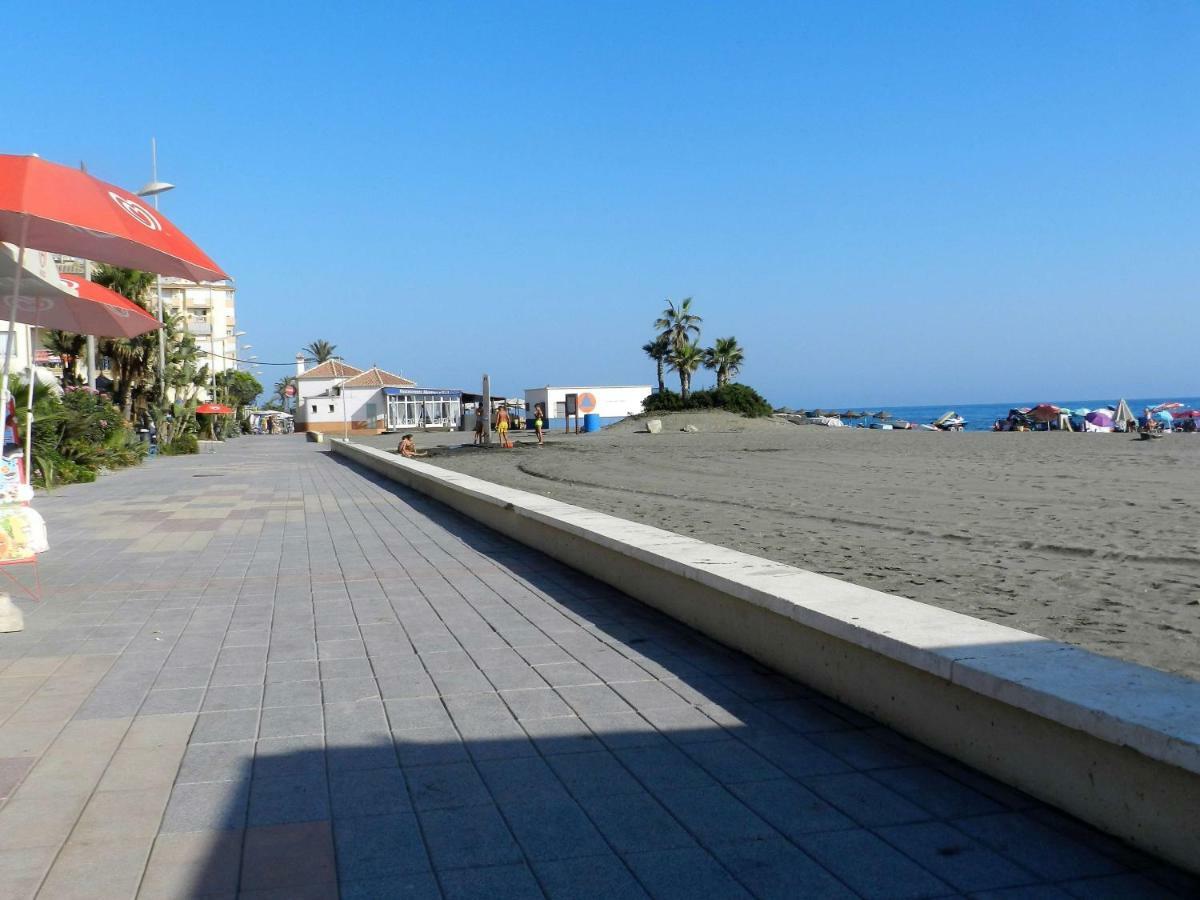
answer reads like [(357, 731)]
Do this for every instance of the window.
[(314, 406), (331, 407)]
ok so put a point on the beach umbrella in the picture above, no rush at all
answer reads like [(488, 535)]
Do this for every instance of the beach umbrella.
[(1099, 419), (1044, 412), (213, 409), (1124, 415), (1188, 414), (1165, 415), (49, 299), (1165, 406)]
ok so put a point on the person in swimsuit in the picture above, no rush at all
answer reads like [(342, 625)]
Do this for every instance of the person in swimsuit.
[(502, 427), (408, 449), (537, 423)]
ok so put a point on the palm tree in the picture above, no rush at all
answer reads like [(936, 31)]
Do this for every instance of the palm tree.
[(132, 359), (281, 387), (686, 360), (68, 346), (320, 351), (726, 357), (678, 324), (657, 350)]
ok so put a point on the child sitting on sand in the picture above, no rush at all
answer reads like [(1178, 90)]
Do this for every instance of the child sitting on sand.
[(408, 449)]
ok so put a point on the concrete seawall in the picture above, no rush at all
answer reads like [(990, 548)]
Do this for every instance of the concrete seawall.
[(1113, 743)]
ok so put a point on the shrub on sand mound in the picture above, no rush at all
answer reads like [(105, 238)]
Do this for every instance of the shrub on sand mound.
[(737, 398)]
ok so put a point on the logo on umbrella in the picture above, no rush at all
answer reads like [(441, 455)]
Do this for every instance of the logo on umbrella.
[(135, 209)]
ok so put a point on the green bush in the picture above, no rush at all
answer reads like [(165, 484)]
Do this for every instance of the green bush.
[(737, 398), (181, 446)]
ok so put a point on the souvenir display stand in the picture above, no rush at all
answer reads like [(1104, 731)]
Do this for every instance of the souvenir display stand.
[(22, 530)]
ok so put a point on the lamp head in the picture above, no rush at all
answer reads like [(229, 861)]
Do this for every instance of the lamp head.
[(155, 187)]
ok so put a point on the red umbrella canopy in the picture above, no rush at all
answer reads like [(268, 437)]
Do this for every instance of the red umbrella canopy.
[(56, 208), (213, 409), (93, 310)]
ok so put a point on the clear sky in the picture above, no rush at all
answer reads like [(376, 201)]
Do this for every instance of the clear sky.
[(895, 202)]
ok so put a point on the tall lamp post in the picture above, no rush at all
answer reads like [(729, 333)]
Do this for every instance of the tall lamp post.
[(153, 189)]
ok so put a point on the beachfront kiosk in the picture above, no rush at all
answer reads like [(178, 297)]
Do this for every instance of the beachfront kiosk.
[(607, 402)]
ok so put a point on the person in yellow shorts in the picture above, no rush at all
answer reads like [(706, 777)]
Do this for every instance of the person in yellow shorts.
[(502, 427)]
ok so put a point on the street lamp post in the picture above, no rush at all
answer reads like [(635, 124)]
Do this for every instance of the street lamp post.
[(153, 189)]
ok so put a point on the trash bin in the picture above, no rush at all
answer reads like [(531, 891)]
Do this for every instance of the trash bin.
[(591, 422)]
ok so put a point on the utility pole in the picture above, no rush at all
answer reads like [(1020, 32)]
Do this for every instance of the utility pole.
[(486, 439)]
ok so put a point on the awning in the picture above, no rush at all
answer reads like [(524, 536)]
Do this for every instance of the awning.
[(421, 392)]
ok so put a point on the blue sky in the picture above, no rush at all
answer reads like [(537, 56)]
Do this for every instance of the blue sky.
[(884, 202)]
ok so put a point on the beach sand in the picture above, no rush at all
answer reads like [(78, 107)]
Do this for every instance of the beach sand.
[(1090, 539)]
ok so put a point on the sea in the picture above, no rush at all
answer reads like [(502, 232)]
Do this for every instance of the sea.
[(981, 416)]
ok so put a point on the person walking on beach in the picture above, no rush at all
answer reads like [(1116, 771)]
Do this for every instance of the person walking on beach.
[(479, 414), (537, 423), (502, 427)]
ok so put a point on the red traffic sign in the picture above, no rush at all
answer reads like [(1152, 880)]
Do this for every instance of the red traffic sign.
[(290, 391)]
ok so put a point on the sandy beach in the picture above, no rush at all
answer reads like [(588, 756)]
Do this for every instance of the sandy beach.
[(1089, 539)]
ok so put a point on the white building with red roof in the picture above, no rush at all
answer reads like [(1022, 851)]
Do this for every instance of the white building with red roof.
[(337, 398)]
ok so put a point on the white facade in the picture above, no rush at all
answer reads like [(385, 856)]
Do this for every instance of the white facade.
[(209, 313), (612, 401)]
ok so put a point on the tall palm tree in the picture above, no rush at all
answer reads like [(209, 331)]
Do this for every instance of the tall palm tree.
[(68, 346), (678, 324), (281, 387), (657, 350), (727, 357), (132, 359), (321, 351), (686, 360)]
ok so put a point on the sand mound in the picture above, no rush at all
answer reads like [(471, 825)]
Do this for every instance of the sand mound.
[(711, 421)]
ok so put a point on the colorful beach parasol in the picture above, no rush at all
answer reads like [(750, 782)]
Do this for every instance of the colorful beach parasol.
[(1099, 419), (213, 409), (1044, 412)]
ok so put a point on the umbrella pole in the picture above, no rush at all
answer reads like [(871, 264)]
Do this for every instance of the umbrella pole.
[(29, 411), (12, 322)]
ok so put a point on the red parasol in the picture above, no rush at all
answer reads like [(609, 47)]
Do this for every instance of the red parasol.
[(51, 207), (71, 303), (213, 409)]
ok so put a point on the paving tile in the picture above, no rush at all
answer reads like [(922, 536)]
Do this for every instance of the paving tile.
[(955, 858), (635, 822), (597, 774), (292, 693), (553, 828), (210, 806), (288, 721), (587, 878), (775, 870), (664, 768), (512, 882), (865, 800), (349, 690), (233, 725), (22, 870), (193, 864), (565, 734), (1035, 847), (522, 779), (416, 713), (467, 837), (242, 696), (540, 703), (446, 786), (684, 874), (869, 866), (111, 869), (789, 807), (429, 746), (132, 814), (714, 816), (368, 793), (288, 857), (406, 686), (936, 792), (278, 672), (407, 886)]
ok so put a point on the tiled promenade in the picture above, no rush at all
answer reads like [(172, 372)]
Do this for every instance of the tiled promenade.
[(262, 673)]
